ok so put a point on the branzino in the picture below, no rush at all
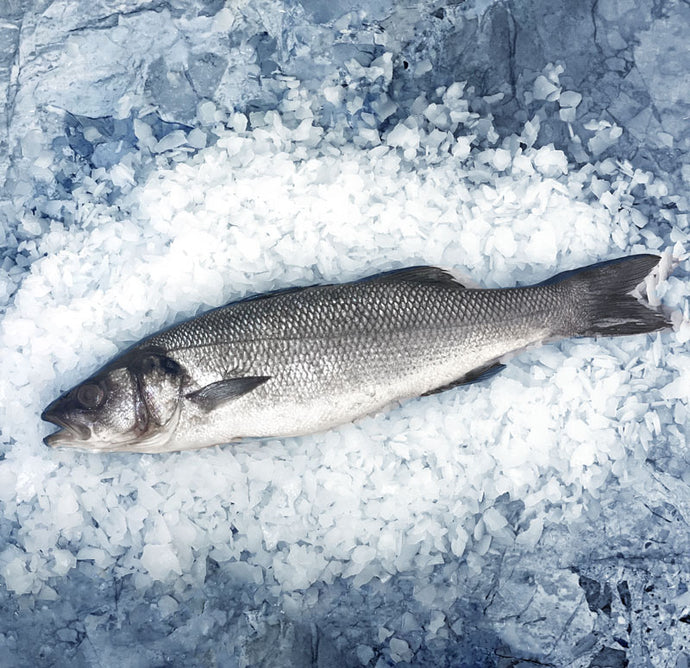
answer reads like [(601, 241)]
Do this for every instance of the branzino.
[(305, 360)]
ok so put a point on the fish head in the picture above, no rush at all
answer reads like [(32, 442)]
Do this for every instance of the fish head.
[(131, 404)]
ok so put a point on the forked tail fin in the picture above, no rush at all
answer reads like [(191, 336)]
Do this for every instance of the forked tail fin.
[(601, 302)]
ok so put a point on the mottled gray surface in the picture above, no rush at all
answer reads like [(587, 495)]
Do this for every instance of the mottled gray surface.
[(610, 592)]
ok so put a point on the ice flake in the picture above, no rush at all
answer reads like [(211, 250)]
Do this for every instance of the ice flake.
[(160, 561), (545, 89)]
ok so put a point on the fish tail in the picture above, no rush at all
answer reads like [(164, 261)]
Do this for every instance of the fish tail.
[(602, 300)]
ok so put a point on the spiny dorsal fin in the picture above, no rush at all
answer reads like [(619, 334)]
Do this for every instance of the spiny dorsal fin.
[(418, 274), (273, 293)]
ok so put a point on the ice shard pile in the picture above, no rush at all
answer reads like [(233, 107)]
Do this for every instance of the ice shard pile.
[(160, 158)]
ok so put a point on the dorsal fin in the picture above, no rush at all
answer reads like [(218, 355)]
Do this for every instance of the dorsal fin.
[(273, 293), (418, 274)]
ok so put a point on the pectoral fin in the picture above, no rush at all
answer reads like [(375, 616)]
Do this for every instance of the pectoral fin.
[(213, 395)]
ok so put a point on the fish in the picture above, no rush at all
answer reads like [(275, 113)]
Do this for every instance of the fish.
[(304, 360)]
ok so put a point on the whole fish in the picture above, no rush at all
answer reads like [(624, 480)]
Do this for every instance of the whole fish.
[(304, 360)]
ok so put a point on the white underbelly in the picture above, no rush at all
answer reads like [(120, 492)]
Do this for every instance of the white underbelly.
[(250, 417)]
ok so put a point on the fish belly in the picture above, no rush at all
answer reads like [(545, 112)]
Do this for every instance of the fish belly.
[(336, 383)]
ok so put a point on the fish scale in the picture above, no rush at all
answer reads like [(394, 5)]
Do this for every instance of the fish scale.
[(357, 321)]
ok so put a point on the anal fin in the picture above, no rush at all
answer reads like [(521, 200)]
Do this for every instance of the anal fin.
[(477, 375)]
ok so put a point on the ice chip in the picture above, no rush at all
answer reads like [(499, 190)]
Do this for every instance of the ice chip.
[(400, 650), (550, 161), (569, 98), (170, 141), (501, 159), (545, 89), (365, 654), (160, 561)]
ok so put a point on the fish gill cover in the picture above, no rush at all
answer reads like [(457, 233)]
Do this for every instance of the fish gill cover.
[(302, 147)]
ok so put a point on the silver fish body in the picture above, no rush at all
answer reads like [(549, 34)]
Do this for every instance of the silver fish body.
[(305, 360)]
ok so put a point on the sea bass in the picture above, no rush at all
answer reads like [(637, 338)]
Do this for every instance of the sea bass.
[(304, 360)]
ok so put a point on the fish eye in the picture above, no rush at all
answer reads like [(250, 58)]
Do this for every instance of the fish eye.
[(90, 395)]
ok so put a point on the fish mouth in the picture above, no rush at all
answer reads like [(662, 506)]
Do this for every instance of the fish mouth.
[(68, 432)]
